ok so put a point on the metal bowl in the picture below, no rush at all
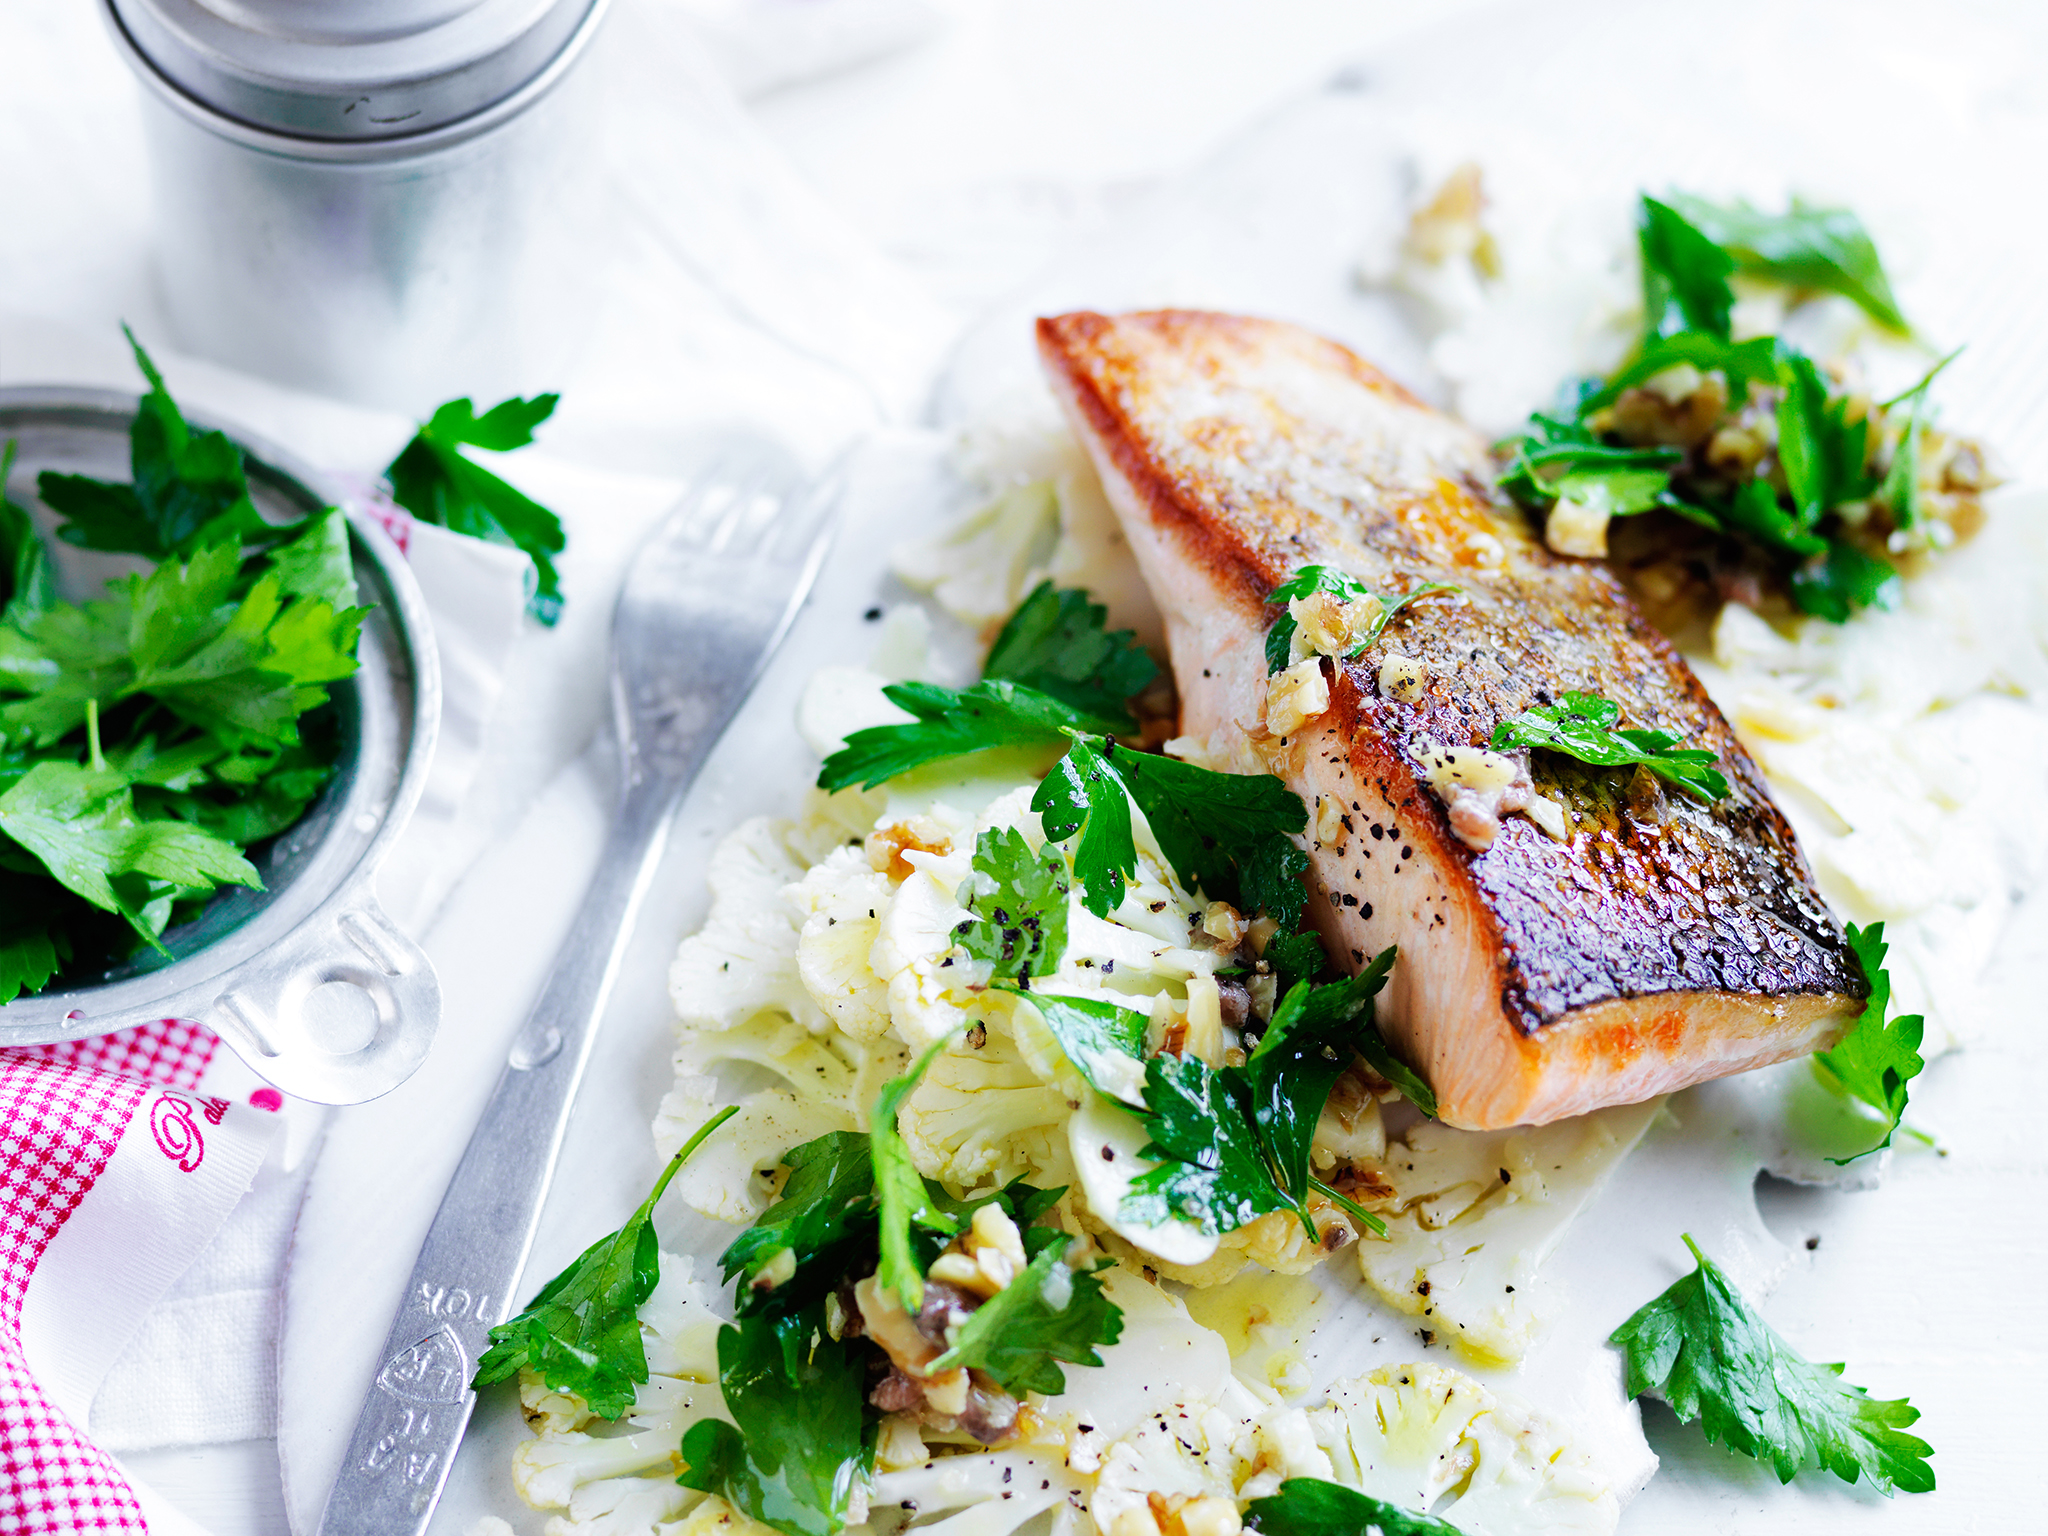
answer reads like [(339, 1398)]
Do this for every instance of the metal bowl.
[(307, 979)]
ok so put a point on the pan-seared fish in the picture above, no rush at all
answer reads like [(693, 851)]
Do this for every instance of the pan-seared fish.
[(1662, 941)]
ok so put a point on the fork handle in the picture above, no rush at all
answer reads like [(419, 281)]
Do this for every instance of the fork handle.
[(461, 1286)]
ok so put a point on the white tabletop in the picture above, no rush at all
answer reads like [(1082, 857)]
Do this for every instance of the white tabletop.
[(1011, 131)]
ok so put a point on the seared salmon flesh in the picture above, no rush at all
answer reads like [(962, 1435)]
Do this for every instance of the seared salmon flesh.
[(1662, 941)]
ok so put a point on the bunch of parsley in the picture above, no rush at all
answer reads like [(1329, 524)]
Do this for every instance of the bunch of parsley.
[(1690, 249), (150, 735)]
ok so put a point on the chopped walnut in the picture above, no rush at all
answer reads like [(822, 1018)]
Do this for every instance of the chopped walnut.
[(919, 834)]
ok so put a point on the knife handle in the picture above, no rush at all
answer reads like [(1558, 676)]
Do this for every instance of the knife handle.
[(461, 1286)]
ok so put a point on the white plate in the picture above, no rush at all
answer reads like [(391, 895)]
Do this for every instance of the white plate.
[(1924, 1286)]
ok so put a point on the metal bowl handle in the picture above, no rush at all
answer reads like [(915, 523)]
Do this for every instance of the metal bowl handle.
[(378, 976)]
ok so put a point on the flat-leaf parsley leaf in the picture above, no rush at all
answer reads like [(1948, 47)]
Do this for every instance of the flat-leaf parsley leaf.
[(1700, 1348), (1584, 727)]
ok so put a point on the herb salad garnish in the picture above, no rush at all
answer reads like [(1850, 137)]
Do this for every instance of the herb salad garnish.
[(1790, 478)]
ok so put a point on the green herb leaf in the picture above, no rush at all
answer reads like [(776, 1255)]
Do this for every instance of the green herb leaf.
[(1875, 1060), (950, 722), (1295, 957), (1105, 1043), (29, 956), (1311, 1506), (1084, 794), (435, 481), (1019, 904), (904, 1197), (1308, 580), (318, 563), (81, 826), (1754, 511), (1741, 363), (582, 1331), (1225, 834), (1058, 642), (1303, 1052), (1846, 580), (1822, 451), (1685, 275), (1584, 726), (825, 1218), (1045, 1315), (1805, 247), (800, 1442), (1700, 1348), (26, 585), (190, 491), (1214, 1172), (1551, 451)]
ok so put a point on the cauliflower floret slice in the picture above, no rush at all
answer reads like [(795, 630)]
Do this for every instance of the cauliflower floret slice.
[(980, 1114), (726, 1177), (1415, 1435), (743, 961), (679, 1323), (990, 1494), (840, 902), (1476, 1214), (979, 569), (548, 1470)]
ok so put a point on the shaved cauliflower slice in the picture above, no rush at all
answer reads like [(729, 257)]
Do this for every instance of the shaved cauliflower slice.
[(743, 961), (679, 1322), (1160, 1343), (727, 1177), (980, 568), (547, 1471), (1184, 1452), (990, 1494), (624, 1506), (841, 900), (980, 1115), (1475, 1216), (1416, 1435)]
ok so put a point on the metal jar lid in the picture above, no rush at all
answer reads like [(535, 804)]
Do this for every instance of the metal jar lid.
[(360, 71)]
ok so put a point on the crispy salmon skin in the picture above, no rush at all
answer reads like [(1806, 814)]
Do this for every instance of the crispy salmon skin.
[(1663, 941)]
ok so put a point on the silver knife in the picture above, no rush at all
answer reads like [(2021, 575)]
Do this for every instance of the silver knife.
[(705, 604)]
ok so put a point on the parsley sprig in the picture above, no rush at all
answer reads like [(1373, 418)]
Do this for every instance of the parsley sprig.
[(1233, 1142), (581, 1333), (1225, 834), (1701, 1348), (1018, 902), (1876, 1060), (1314, 1506), (1308, 580), (802, 1432), (1691, 249), (436, 481), (1585, 726), (1055, 668)]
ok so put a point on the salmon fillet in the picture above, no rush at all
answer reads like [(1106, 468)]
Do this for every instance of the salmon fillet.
[(1665, 941)]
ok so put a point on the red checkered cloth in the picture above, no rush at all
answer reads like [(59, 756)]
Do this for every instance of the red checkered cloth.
[(59, 1124), (64, 1113)]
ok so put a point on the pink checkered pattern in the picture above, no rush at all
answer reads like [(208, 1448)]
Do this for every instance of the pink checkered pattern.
[(59, 1124), (174, 1052)]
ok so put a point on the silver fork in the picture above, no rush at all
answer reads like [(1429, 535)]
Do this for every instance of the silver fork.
[(708, 599)]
